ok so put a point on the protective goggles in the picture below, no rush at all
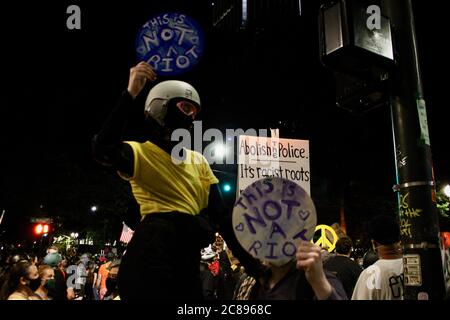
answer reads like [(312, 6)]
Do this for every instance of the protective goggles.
[(188, 108)]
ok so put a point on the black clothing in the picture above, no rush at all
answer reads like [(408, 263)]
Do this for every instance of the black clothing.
[(346, 270), (107, 145), (209, 283), (225, 282), (59, 292), (162, 259), (295, 286)]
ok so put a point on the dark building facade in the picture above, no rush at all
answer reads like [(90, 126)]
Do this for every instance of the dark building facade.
[(232, 15), (226, 14), (263, 13)]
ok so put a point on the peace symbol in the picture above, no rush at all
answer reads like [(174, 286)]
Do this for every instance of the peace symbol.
[(324, 240)]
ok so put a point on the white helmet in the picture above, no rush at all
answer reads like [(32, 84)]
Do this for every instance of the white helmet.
[(159, 96)]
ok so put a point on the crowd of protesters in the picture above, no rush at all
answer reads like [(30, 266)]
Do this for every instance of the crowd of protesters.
[(54, 276), (223, 274)]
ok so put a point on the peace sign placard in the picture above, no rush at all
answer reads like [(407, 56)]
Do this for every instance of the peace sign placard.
[(271, 217), (328, 237)]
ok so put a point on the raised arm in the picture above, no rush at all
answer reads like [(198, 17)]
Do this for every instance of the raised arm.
[(107, 145)]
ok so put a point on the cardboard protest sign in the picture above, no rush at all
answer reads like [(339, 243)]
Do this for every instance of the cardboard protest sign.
[(262, 157), (172, 43), (271, 217)]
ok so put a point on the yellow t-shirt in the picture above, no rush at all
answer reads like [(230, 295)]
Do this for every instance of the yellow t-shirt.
[(160, 185)]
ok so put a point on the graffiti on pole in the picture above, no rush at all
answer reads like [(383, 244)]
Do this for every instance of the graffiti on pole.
[(407, 214)]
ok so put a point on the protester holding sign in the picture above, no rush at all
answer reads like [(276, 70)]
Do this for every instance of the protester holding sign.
[(272, 226), (171, 194), (301, 279)]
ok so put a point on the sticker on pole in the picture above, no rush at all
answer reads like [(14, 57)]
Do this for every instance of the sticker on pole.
[(271, 217), (172, 43)]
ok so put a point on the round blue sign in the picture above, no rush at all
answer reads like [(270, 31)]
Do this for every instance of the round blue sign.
[(172, 43)]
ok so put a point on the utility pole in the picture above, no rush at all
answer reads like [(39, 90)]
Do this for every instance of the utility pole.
[(423, 273)]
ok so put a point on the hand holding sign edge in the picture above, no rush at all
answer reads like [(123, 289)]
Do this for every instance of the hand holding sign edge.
[(309, 259), (139, 75)]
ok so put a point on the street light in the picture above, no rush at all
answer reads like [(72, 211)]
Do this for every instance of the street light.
[(94, 208), (447, 191), (220, 150)]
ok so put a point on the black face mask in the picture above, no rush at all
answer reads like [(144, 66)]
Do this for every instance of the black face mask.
[(111, 284), (34, 284), (50, 285), (175, 119)]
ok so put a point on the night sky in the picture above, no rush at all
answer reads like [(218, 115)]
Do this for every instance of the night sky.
[(59, 85)]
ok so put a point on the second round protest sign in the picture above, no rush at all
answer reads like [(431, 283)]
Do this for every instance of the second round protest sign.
[(271, 217)]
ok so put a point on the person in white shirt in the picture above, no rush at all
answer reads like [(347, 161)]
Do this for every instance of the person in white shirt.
[(384, 279)]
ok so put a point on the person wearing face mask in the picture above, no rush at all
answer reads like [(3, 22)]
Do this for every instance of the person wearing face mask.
[(47, 278), (10, 262), (171, 189), (22, 280), (112, 292), (60, 290)]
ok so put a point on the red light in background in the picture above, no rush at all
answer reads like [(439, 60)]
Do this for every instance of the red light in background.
[(41, 229), (38, 229)]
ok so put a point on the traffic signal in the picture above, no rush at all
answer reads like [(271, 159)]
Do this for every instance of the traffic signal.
[(41, 229), (226, 187), (38, 229)]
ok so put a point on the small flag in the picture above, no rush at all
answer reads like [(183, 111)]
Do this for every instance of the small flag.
[(127, 234)]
